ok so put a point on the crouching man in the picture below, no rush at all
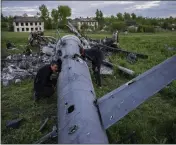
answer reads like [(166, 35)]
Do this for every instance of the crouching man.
[(44, 86)]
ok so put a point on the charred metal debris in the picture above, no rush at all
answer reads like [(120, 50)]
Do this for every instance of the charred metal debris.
[(20, 66)]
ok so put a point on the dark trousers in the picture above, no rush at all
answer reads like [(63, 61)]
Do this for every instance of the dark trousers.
[(96, 71), (46, 92)]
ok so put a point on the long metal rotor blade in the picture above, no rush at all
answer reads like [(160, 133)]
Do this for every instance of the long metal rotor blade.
[(118, 103)]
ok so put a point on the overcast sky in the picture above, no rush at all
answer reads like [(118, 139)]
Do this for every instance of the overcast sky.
[(88, 8)]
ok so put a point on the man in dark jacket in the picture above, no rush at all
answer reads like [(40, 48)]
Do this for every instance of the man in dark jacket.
[(44, 86)]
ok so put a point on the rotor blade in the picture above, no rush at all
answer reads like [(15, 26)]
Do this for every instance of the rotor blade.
[(118, 103)]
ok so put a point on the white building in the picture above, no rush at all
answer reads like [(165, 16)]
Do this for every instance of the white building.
[(78, 22), (27, 24)]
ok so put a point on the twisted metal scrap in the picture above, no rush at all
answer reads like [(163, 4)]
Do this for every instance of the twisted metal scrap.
[(19, 67)]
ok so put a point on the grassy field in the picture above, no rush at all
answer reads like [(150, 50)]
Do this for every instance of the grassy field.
[(154, 121)]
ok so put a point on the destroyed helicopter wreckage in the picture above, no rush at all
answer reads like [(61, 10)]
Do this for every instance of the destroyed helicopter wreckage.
[(106, 44), (76, 95), (16, 67)]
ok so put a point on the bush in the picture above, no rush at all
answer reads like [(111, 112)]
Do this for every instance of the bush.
[(4, 26), (140, 29), (146, 29), (149, 29), (118, 26), (11, 28)]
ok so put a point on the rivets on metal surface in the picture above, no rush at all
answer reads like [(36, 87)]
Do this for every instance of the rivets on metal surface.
[(88, 133), (91, 92), (73, 129)]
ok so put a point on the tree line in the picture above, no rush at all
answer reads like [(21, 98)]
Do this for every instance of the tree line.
[(123, 22), (58, 17)]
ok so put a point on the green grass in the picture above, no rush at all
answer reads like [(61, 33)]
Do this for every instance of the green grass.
[(154, 121)]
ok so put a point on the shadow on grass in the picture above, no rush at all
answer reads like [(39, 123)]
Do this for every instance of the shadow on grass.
[(169, 93)]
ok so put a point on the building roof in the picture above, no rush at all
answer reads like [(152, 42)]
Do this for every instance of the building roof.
[(26, 19)]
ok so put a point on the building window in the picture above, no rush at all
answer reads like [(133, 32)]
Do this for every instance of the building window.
[(31, 24), (40, 28), (22, 29), (40, 23), (35, 23), (26, 24), (27, 29), (21, 24), (18, 29), (32, 29), (36, 29), (16, 24)]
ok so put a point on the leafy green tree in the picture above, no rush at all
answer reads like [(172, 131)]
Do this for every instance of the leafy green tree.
[(120, 16), (55, 17), (154, 22), (165, 25), (133, 16), (44, 15), (4, 25), (49, 24), (97, 15), (10, 23), (118, 26), (63, 13), (100, 19), (127, 16)]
